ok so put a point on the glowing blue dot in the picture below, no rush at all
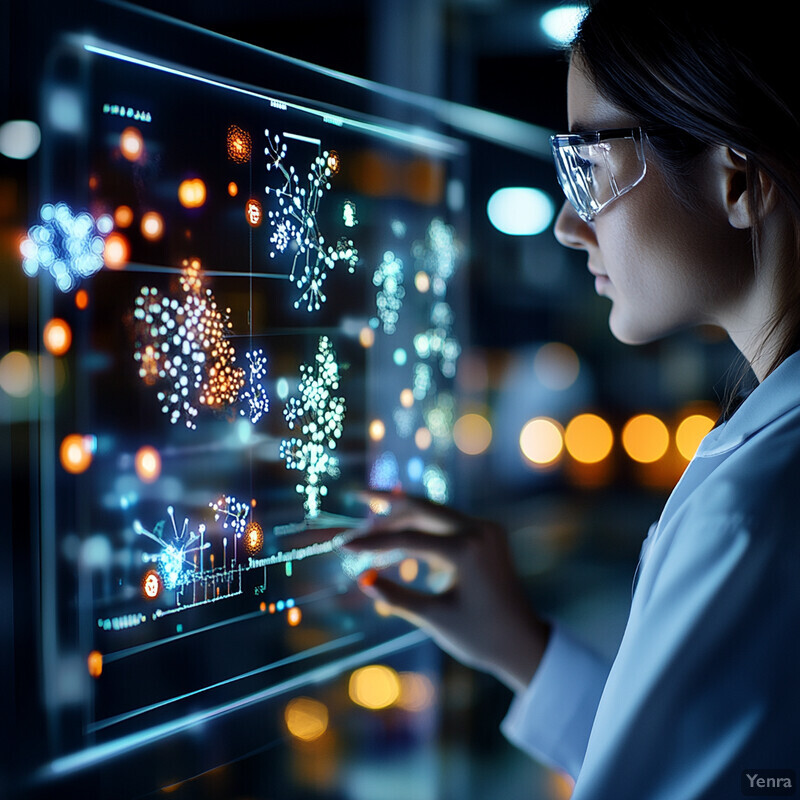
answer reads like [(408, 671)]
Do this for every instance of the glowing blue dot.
[(414, 469), (290, 603), (279, 605), (400, 356), (520, 211)]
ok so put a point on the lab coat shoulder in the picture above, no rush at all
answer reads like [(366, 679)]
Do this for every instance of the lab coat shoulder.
[(704, 683)]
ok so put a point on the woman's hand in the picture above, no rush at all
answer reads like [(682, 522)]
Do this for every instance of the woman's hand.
[(483, 618)]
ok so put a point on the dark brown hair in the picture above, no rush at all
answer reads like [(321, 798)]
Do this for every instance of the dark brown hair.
[(705, 74)]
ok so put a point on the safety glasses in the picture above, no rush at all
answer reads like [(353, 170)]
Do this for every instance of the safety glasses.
[(596, 168)]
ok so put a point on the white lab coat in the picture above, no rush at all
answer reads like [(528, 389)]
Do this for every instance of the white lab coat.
[(706, 682)]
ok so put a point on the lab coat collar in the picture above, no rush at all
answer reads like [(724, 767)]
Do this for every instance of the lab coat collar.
[(777, 394)]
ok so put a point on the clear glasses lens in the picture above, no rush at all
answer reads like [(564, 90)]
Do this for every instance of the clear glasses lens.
[(594, 170)]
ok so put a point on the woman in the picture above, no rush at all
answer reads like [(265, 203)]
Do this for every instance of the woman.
[(682, 175)]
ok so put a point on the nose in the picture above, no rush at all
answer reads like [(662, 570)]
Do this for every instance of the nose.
[(571, 231)]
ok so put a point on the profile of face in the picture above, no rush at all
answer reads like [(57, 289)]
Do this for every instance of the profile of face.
[(662, 264)]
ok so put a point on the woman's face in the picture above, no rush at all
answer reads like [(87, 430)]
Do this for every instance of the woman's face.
[(662, 265)]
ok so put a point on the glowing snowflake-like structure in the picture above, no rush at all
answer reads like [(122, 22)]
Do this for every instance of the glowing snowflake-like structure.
[(295, 226), (255, 395), (317, 415), (389, 300), (438, 341), (437, 255), (174, 567), (68, 246), (232, 512), (182, 344)]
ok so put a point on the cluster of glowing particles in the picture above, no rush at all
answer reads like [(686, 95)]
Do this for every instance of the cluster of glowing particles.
[(317, 416), (173, 568), (295, 227), (240, 145), (255, 395), (181, 342), (232, 512), (437, 255), (438, 341), (68, 246), (389, 300), (349, 214), (434, 480)]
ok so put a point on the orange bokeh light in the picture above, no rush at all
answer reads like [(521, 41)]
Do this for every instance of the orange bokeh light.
[(131, 144), (95, 663), (123, 216), (57, 336), (233, 189), (148, 464), (152, 226), (117, 251), (293, 616), (76, 453), (192, 193)]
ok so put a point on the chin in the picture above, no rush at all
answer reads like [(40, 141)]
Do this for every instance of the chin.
[(627, 332)]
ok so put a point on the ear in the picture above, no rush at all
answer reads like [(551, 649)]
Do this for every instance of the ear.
[(736, 189)]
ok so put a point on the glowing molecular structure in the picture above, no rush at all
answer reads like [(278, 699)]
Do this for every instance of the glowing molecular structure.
[(253, 538), (295, 227), (317, 416), (172, 564), (255, 394), (182, 343), (69, 247), (232, 512), (389, 300), (438, 255)]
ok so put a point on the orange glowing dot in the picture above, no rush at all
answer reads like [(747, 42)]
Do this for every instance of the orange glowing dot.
[(151, 584), (95, 663), (123, 216), (409, 569), (148, 464), (691, 432), (375, 686), (57, 336), (81, 299), (131, 144), (422, 282), (366, 337), (406, 398), (262, 607), (192, 193), (117, 251), (423, 438), (377, 430), (645, 438), (272, 608), (334, 162), (293, 616), (152, 226), (76, 453), (253, 212), (233, 189), (368, 577), (306, 719), (588, 438)]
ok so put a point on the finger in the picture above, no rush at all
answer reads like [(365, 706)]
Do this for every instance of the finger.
[(418, 607), (411, 542), (400, 501)]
